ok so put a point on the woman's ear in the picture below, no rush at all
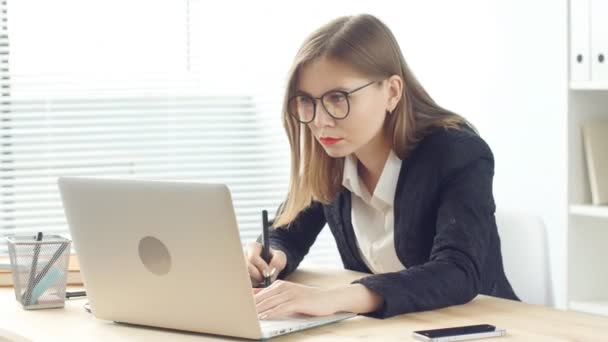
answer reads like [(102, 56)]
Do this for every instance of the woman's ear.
[(395, 89)]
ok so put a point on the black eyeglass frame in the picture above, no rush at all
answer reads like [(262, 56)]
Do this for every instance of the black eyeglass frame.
[(346, 95)]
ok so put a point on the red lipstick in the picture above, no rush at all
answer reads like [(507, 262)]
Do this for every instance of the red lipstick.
[(329, 141)]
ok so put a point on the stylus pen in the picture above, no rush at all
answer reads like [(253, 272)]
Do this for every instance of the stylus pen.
[(265, 245)]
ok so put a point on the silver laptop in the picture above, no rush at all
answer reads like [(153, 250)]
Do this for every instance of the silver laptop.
[(167, 254)]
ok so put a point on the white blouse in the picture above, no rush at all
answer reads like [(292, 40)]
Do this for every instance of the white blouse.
[(373, 215)]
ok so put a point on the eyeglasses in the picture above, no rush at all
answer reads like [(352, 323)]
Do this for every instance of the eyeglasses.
[(304, 107)]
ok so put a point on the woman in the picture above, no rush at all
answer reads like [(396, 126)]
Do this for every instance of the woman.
[(404, 185)]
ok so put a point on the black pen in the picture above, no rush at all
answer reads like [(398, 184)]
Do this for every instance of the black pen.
[(265, 245), (69, 295)]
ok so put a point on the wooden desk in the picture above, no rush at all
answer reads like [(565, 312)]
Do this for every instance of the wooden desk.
[(523, 322)]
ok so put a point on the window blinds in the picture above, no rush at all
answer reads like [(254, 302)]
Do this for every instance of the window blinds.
[(162, 126), (151, 130)]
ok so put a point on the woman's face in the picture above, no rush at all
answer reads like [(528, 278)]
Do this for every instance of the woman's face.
[(362, 127)]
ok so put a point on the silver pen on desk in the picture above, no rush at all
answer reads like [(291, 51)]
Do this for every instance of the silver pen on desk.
[(27, 296)]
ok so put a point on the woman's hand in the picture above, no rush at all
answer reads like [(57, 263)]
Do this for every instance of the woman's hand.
[(257, 267), (285, 298)]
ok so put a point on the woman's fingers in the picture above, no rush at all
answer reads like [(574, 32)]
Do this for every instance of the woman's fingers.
[(280, 310), (284, 298), (257, 261), (273, 290), (278, 262), (272, 302), (258, 269), (254, 274), (269, 299), (255, 264)]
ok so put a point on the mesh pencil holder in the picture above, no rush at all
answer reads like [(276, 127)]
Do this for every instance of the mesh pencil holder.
[(39, 270)]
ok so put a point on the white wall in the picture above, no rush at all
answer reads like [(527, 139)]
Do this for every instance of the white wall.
[(96, 37)]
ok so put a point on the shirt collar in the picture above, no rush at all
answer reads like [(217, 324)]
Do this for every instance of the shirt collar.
[(350, 178), (387, 184)]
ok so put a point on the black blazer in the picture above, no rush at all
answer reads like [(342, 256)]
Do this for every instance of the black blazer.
[(445, 230)]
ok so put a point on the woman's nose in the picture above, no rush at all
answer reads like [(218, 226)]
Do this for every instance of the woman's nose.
[(322, 118)]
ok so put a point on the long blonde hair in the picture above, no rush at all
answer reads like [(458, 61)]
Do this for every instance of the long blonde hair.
[(367, 44)]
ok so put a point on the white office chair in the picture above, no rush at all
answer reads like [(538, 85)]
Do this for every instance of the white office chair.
[(525, 256)]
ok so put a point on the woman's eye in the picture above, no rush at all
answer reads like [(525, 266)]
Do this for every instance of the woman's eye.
[(336, 98), (305, 100)]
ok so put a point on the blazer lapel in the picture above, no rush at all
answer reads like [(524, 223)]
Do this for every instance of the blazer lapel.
[(349, 232)]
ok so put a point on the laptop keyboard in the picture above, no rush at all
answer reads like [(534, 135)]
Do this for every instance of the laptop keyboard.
[(297, 322), (289, 321)]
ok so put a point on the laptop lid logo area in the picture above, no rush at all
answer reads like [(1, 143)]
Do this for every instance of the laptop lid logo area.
[(154, 255)]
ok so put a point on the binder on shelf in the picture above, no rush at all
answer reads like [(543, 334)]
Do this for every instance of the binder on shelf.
[(580, 63), (595, 144), (599, 40)]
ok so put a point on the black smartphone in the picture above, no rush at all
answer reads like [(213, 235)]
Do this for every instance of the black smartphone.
[(468, 332)]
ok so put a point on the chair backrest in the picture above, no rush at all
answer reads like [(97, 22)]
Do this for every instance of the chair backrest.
[(525, 256)]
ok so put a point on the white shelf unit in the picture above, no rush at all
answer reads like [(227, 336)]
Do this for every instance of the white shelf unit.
[(587, 249), (587, 246), (589, 210), (588, 85), (597, 307)]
